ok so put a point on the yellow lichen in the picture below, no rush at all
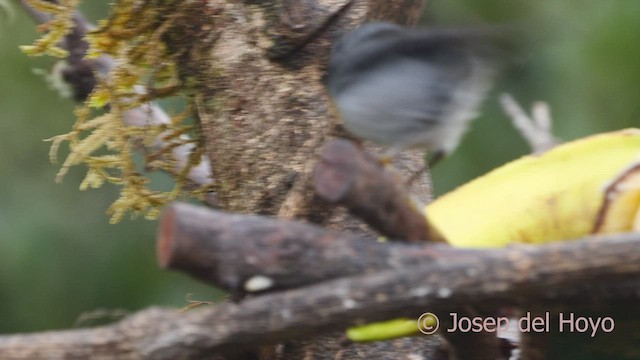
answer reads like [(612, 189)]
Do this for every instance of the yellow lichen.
[(143, 72)]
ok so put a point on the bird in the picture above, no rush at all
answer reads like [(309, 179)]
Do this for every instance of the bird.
[(410, 88)]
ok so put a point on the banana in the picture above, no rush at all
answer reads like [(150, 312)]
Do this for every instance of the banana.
[(575, 189)]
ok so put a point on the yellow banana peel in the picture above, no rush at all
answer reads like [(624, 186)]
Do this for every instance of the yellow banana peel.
[(590, 185), (582, 187)]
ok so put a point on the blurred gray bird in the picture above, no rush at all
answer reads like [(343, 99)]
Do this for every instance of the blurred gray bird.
[(411, 88)]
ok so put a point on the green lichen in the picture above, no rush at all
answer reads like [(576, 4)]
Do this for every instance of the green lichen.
[(105, 144)]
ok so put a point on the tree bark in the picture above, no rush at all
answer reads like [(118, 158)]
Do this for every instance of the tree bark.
[(256, 77), (372, 192), (233, 251)]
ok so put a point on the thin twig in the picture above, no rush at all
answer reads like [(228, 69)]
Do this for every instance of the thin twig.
[(536, 129)]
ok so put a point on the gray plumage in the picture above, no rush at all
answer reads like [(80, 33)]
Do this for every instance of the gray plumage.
[(407, 88)]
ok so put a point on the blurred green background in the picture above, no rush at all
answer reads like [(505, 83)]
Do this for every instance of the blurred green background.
[(59, 257)]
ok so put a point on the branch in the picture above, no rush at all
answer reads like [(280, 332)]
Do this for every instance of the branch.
[(350, 177), (592, 271), (123, 340), (536, 129), (241, 253)]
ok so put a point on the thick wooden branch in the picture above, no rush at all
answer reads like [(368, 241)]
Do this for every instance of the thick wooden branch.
[(126, 339), (351, 177), (592, 271), (241, 253), (238, 252)]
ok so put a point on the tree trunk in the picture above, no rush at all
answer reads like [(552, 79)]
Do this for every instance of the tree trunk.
[(255, 70)]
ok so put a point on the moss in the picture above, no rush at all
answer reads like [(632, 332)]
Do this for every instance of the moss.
[(60, 25), (133, 36)]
